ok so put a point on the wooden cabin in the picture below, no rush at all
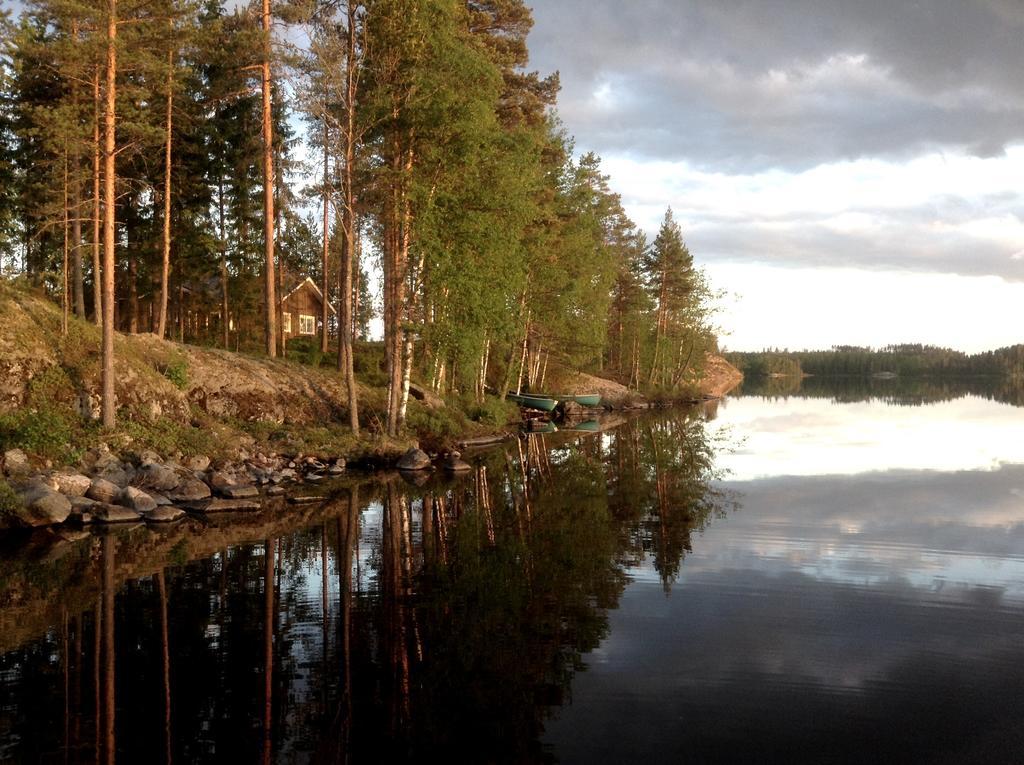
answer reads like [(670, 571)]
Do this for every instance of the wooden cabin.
[(302, 309)]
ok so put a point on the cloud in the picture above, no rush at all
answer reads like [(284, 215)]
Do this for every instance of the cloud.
[(747, 86)]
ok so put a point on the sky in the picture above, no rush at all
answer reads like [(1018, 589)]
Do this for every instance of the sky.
[(846, 172)]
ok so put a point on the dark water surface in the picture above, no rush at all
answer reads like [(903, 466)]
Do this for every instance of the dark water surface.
[(788, 579)]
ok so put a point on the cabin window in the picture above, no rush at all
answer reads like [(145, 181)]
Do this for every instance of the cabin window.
[(307, 324), (286, 322)]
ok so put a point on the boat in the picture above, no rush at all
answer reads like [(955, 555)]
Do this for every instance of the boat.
[(540, 427), (590, 400), (530, 401), (587, 426)]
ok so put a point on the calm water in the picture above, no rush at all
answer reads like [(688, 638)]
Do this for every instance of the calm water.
[(826, 577)]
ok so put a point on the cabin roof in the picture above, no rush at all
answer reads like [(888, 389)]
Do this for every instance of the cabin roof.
[(316, 289)]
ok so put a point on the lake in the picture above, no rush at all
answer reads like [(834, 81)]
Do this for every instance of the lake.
[(817, 573)]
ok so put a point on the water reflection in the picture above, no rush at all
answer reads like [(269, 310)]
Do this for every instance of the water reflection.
[(390, 623)]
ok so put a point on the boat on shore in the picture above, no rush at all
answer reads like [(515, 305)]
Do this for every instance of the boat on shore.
[(531, 401), (590, 400)]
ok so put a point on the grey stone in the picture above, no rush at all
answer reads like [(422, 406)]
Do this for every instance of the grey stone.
[(336, 469), (414, 459), (275, 491), (233, 505), (137, 500), (158, 477), (190, 490), (106, 513), (219, 480), (43, 507), (453, 463), (71, 484), (116, 474), (78, 504), (200, 463), (159, 498), (103, 490), (16, 462), (304, 500), (148, 457), (240, 492), (167, 514)]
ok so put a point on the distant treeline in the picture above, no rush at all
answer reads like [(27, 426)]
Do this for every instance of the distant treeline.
[(900, 360), (898, 391)]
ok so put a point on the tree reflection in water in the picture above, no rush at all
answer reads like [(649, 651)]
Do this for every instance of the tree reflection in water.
[(446, 620)]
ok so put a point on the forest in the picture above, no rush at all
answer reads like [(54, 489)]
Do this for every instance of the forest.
[(906, 360), (176, 166)]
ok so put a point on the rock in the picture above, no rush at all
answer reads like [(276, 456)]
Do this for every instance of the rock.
[(137, 500), (190, 490), (199, 463), (304, 500), (454, 463), (336, 469), (78, 504), (72, 484), (415, 477), (43, 507), (233, 505), (219, 480), (156, 476), (160, 499), (16, 462), (106, 513), (240, 492), (275, 491), (414, 459), (116, 474), (313, 478), (103, 490), (430, 399), (167, 514), (149, 457), (80, 517)]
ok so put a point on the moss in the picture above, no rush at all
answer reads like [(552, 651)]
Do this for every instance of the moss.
[(176, 370), (49, 432), (9, 502)]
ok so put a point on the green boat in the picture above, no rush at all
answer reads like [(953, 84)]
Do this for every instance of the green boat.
[(587, 426), (542, 403), (590, 400)]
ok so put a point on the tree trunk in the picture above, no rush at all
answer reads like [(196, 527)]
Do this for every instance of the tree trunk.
[(269, 292), (346, 298), (65, 298), (109, 202), (165, 264), (325, 303), (225, 319), (77, 280), (97, 286)]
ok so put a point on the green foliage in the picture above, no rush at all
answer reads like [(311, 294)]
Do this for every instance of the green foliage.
[(46, 431), (306, 350), (167, 436), (9, 502), (176, 370), (493, 412)]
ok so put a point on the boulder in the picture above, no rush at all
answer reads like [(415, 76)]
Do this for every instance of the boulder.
[(167, 514), (71, 484), (16, 462), (199, 463), (414, 459), (190, 490), (454, 463), (106, 513), (160, 499), (155, 476), (137, 500), (43, 506), (233, 505), (78, 504), (103, 490), (240, 492), (219, 480), (115, 473), (337, 468)]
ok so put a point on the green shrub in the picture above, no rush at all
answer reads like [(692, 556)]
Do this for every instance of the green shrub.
[(9, 503), (493, 411), (177, 372), (45, 431)]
